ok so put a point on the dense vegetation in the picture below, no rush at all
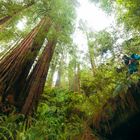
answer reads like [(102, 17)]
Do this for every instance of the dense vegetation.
[(49, 88)]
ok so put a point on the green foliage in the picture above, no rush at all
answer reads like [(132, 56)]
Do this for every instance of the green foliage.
[(129, 13), (106, 5), (131, 45), (118, 109), (61, 115), (62, 21), (9, 7), (103, 41), (12, 127), (103, 84)]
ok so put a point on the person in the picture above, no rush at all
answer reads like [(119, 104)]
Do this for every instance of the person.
[(132, 63), (135, 56)]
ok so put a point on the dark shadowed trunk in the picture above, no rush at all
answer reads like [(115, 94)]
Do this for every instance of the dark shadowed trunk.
[(5, 19), (37, 44), (14, 68), (37, 79)]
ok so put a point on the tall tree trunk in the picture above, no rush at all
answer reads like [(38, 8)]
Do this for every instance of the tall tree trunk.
[(77, 79), (71, 75), (91, 57), (50, 75), (37, 44), (16, 66), (92, 63), (59, 75), (9, 63), (7, 18), (37, 78), (58, 80)]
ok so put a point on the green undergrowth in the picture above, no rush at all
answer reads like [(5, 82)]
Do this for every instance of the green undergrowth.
[(119, 108), (13, 127), (61, 115), (67, 115)]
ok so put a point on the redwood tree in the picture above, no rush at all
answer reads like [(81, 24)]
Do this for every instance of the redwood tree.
[(37, 79), (16, 66)]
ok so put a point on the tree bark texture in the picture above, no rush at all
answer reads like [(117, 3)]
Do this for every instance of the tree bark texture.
[(36, 82), (16, 66)]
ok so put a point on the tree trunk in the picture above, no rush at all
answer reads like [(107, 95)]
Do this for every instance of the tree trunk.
[(71, 75), (59, 75), (50, 79), (58, 80), (91, 55), (51, 74), (4, 19), (15, 67), (37, 79), (77, 79), (36, 46)]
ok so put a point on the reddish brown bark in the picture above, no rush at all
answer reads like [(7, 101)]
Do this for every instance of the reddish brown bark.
[(16, 66), (37, 79), (37, 44), (9, 63)]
